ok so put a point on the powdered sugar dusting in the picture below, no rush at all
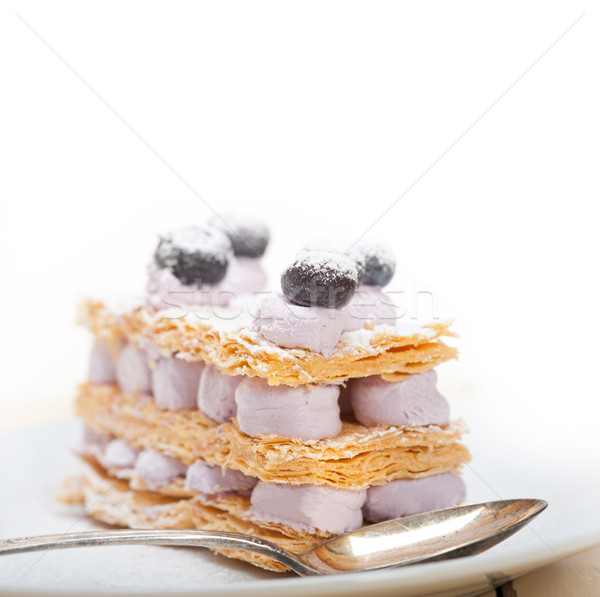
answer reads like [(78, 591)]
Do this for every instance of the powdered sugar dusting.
[(340, 445), (237, 318), (326, 264), (379, 251), (196, 239), (226, 337), (238, 222)]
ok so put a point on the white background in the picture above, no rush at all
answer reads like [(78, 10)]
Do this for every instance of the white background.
[(466, 135)]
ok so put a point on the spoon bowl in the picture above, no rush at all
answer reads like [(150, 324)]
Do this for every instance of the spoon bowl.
[(436, 535)]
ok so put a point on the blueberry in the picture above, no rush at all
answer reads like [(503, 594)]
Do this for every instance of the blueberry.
[(380, 263), (248, 236), (196, 255), (341, 248), (320, 279)]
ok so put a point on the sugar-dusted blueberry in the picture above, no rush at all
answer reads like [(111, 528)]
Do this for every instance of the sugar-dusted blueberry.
[(249, 236), (380, 263), (320, 279), (196, 255), (340, 247)]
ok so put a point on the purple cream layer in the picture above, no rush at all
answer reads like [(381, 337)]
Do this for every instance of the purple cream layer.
[(308, 507), (209, 479), (369, 303), (293, 326), (165, 290), (133, 371), (93, 442), (299, 412), (405, 497), (216, 394), (102, 368), (151, 350), (414, 401), (118, 454), (175, 383), (157, 469), (244, 275)]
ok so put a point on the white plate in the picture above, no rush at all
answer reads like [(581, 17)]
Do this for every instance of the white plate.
[(509, 461)]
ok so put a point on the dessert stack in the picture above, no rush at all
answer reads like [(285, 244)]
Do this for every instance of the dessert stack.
[(293, 415)]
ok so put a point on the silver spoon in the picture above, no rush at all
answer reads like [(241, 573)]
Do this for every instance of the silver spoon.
[(437, 535)]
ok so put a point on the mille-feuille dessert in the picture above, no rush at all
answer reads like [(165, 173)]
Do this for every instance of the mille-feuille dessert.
[(292, 416)]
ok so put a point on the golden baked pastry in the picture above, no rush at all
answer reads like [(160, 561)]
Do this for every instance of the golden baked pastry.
[(242, 351), (356, 458)]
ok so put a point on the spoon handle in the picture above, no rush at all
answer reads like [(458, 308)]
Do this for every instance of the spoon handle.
[(193, 538)]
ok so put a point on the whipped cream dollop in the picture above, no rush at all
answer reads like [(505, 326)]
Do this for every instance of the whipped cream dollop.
[(133, 370), (308, 507), (216, 394), (244, 275), (303, 412), (405, 497), (157, 469), (165, 290), (175, 383), (102, 367), (92, 441), (119, 454), (414, 401), (210, 479), (369, 304), (294, 326)]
